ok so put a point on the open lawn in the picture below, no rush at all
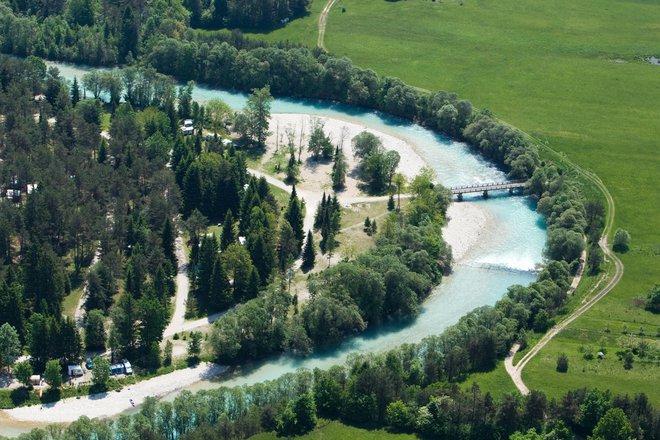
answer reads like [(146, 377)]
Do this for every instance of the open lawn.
[(336, 430), (572, 75), (71, 302)]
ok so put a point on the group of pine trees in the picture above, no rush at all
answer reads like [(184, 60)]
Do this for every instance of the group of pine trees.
[(114, 197), (327, 220)]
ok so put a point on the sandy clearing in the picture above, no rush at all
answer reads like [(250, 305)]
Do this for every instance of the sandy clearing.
[(113, 403), (315, 175)]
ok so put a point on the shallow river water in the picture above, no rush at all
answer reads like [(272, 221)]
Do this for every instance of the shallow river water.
[(508, 252)]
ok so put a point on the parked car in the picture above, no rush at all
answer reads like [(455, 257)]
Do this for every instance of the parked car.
[(75, 371), (128, 368), (89, 364)]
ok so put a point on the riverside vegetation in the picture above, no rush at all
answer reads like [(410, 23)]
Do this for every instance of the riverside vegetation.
[(488, 331)]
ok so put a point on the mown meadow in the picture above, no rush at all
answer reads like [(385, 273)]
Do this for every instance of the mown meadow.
[(573, 76)]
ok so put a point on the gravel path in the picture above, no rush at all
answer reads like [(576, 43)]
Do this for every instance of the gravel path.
[(182, 290), (113, 403)]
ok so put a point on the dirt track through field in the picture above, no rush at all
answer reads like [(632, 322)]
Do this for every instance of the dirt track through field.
[(323, 19), (515, 372)]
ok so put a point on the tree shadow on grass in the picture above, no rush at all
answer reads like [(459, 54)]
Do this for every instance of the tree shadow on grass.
[(19, 396), (52, 395)]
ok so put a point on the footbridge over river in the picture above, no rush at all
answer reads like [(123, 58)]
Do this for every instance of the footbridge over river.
[(484, 188)]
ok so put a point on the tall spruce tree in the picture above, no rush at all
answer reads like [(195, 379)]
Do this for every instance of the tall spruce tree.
[(309, 253), (192, 190), (339, 171), (228, 236), (294, 216), (75, 92), (320, 210), (220, 296), (287, 246), (208, 254), (168, 237)]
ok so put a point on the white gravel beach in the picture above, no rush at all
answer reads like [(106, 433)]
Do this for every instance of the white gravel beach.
[(112, 403), (467, 222), (316, 175)]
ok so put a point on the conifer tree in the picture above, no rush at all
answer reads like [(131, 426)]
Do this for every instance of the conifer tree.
[(167, 240), (287, 247), (253, 284), (228, 236), (292, 168), (162, 285), (320, 211), (309, 253), (339, 171), (207, 255), (75, 92), (261, 254), (103, 152), (390, 203), (295, 218), (220, 295), (192, 190)]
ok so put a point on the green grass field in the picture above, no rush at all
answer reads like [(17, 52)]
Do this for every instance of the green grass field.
[(337, 430), (570, 74)]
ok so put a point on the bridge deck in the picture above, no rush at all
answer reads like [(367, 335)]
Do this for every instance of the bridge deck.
[(486, 187)]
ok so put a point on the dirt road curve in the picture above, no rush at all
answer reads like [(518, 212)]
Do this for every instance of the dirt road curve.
[(323, 19), (515, 372)]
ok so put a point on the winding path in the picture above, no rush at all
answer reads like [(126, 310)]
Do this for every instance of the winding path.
[(515, 372), (323, 19)]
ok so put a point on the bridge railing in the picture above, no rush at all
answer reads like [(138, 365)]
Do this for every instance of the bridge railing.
[(487, 186)]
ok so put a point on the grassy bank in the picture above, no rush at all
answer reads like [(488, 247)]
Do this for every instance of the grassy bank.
[(335, 430)]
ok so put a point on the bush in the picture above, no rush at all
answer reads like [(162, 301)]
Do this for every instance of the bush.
[(621, 240), (101, 372), (22, 373), (653, 299), (562, 363), (53, 373), (628, 360)]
